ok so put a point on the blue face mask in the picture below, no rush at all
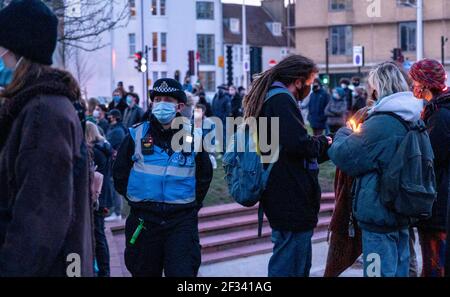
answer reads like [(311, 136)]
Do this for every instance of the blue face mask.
[(129, 100), (164, 112), (117, 99), (6, 74)]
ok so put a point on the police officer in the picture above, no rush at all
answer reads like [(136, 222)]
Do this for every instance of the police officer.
[(165, 187)]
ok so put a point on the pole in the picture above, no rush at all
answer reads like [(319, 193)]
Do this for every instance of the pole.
[(419, 30), (327, 58), (146, 79), (144, 82), (244, 44)]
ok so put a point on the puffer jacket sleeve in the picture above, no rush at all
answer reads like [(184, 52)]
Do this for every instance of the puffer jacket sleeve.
[(356, 153)]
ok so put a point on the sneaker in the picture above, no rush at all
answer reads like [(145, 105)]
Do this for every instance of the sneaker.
[(113, 218)]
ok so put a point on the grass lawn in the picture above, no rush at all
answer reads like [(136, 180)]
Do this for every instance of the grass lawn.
[(218, 191)]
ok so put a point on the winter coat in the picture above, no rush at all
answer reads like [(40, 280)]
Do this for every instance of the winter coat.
[(365, 153), (221, 106), (104, 125), (103, 161), (116, 134), (437, 117), (318, 101), (236, 106), (121, 106), (291, 200), (132, 116), (336, 111), (45, 208)]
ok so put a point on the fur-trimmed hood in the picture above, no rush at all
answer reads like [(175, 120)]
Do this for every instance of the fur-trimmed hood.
[(50, 82)]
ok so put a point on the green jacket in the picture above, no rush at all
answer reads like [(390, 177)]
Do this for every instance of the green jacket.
[(367, 153)]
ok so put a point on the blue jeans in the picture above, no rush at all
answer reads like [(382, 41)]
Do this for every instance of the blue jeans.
[(386, 254), (292, 254)]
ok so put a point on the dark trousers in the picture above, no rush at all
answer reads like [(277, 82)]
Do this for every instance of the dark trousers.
[(101, 245), (334, 129), (166, 244)]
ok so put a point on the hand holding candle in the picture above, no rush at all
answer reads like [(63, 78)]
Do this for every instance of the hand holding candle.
[(354, 126)]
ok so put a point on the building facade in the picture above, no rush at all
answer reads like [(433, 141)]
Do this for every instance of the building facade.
[(181, 36), (267, 39), (379, 26)]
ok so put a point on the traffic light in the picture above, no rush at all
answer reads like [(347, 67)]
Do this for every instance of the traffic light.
[(191, 62), (229, 53), (325, 79), (397, 55), (141, 62)]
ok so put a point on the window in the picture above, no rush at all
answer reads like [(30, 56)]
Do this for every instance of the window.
[(154, 7), (164, 47), (205, 45), (162, 7), (132, 5), (132, 43), (408, 36), (155, 46), (235, 26), (208, 80), (339, 5), (406, 2), (164, 74), (205, 10), (275, 28), (341, 40)]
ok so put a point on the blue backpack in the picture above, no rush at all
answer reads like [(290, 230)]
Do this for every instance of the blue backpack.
[(244, 171)]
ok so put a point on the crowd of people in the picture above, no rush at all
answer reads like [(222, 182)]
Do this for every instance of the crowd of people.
[(67, 164)]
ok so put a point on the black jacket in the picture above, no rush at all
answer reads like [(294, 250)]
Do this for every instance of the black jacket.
[(236, 106), (45, 209), (291, 200), (437, 118), (121, 106), (116, 134), (103, 160), (162, 138)]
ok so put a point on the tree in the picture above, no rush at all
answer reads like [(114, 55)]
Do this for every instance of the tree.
[(82, 22)]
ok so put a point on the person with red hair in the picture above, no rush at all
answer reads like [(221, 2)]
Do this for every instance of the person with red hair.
[(429, 83)]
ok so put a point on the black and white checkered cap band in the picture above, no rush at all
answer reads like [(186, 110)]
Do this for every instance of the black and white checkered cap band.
[(164, 88)]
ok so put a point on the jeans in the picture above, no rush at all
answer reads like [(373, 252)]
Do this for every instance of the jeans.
[(386, 254), (101, 245), (292, 254)]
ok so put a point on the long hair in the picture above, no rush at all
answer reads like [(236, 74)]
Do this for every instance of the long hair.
[(92, 134), (287, 72), (387, 79)]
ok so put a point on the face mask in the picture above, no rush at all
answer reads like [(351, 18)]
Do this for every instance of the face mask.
[(129, 100), (96, 114), (303, 92), (164, 112), (356, 84), (116, 99), (6, 74), (344, 86)]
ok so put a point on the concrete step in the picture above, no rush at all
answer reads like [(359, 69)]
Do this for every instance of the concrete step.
[(236, 238), (249, 250), (225, 225)]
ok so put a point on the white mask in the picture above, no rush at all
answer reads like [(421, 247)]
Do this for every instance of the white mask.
[(96, 114)]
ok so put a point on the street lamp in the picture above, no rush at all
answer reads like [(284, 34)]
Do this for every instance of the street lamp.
[(419, 7)]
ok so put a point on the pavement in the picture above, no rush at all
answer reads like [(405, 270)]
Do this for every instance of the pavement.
[(254, 266)]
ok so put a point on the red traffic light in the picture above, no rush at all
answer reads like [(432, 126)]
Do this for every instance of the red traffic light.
[(138, 55)]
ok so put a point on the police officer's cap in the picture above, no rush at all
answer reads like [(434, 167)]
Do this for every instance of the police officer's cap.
[(170, 88)]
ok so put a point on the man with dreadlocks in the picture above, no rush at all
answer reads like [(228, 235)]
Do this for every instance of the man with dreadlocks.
[(291, 200)]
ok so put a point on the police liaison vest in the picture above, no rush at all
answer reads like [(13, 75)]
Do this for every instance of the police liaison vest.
[(159, 177)]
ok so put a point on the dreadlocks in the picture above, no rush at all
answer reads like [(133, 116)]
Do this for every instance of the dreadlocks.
[(287, 72)]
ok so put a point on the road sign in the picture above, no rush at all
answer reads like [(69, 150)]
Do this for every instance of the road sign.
[(272, 63), (246, 66), (358, 56)]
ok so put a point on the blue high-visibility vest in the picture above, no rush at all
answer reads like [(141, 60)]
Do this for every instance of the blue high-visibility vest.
[(159, 177)]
